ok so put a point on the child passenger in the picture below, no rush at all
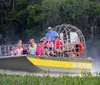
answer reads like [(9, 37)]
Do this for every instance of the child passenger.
[(39, 49), (32, 49), (43, 42), (19, 49), (25, 50), (20, 42), (13, 51)]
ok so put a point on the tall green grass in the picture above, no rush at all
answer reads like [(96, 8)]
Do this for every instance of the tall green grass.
[(47, 80)]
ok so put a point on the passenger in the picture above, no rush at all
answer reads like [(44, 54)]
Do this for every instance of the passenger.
[(32, 49), (25, 50), (39, 50), (19, 49), (44, 39), (58, 46), (13, 52), (31, 41), (52, 34), (43, 42), (20, 42), (49, 47)]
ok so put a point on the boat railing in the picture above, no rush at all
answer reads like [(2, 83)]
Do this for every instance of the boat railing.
[(67, 49), (5, 49)]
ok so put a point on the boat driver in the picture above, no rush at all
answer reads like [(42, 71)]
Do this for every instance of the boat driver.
[(51, 34)]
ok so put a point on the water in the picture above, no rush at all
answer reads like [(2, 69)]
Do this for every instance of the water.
[(96, 59), (96, 66)]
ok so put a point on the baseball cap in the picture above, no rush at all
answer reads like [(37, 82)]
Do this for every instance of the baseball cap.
[(49, 28)]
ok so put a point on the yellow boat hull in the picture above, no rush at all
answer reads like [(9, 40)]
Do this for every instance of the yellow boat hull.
[(61, 66), (33, 64)]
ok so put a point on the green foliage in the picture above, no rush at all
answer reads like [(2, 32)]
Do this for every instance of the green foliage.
[(47, 80), (21, 4), (34, 14), (81, 13), (50, 12), (32, 20)]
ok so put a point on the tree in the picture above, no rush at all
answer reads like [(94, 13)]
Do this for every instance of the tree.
[(50, 12), (34, 20)]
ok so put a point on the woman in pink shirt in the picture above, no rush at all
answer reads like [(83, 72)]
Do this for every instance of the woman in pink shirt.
[(49, 44), (49, 47)]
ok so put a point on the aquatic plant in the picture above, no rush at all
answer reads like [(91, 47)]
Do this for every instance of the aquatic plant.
[(85, 79)]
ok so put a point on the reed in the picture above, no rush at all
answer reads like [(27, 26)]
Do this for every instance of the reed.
[(85, 79)]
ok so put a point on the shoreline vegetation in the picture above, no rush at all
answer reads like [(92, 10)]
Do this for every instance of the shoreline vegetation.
[(85, 79), (24, 19)]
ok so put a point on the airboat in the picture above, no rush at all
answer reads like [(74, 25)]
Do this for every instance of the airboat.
[(72, 60)]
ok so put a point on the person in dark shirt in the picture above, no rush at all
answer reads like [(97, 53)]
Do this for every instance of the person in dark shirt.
[(25, 51)]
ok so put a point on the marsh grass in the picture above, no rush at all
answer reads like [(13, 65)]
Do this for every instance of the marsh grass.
[(85, 79)]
